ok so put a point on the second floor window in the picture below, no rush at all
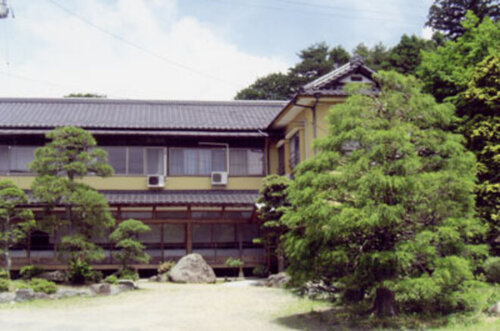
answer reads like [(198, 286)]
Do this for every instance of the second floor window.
[(281, 160), (196, 161), (294, 150), (136, 160), (246, 162), (15, 159)]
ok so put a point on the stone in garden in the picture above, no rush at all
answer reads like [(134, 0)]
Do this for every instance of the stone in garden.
[(41, 295), (57, 276), (127, 284), (277, 280), (495, 309), (192, 268), (25, 294), (101, 288), (7, 297)]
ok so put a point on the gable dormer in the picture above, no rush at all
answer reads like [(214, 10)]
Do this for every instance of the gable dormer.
[(355, 71)]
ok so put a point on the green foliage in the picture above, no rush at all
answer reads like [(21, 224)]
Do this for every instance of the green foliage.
[(28, 272), (492, 269), (165, 267), (466, 72), (125, 238), (234, 262), (260, 271), (315, 61), (15, 221), (86, 95), (393, 210), (4, 285), (80, 272), (447, 71), (43, 286), (4, 274), (71, 154), (406, 55), (111, 279), (447, 15), (128, 273), (272, 203)]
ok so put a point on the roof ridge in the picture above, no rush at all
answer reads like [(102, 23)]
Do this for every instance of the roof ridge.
[(141, 101)]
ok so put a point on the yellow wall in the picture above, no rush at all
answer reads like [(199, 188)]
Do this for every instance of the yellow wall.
[(303, 121), (139, 183)]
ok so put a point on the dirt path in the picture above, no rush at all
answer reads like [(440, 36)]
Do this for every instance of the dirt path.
[(163, 307)]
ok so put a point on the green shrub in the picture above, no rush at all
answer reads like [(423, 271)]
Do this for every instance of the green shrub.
[(128, 274), (4, 274), (43, 286), (165, 267), (30, 271), (111, 279), (97, 276), (234, 262), (4, 285), (492, 269), (260, 271), (80, 272)]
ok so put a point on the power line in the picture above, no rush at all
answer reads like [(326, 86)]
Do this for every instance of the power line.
[(323, 13), (316, 5), (139, 47)]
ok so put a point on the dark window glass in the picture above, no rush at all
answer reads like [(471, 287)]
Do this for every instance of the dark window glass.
[(117, 158), (281, 160), (4, 158), (20, 157), (196, 161), (294, 150), (136, 160), (246, 162), (201, 233), (154, 160), (205, 214), (224, 233), (174, 233)]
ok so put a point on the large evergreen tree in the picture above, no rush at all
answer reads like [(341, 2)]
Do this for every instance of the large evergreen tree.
[(387, 206), (70, 155), (15, 221), (447, 15)]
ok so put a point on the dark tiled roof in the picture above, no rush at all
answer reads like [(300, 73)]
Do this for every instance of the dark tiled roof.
[(137, 114), (356, 63), (7, 132), (198, 198), (214, 197)]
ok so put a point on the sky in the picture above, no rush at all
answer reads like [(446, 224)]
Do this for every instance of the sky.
[(181, 49)]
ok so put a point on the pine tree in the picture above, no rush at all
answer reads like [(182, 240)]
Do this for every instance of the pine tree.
[(387, 206), (71, 155), (131, 249), (15, 221)]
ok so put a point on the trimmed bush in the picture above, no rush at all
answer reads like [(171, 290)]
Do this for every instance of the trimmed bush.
[(4, 285), (80, 272), (4, 274), (492, 269), (43, 286), (260, 271), (128, 274), (111, 279), (165, 267), (30, 271)]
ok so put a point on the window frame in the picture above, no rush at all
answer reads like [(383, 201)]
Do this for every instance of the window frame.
[(262, 150), (198, 158)]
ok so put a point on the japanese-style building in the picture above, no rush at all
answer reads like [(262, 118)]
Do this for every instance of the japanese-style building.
[(191, 170)]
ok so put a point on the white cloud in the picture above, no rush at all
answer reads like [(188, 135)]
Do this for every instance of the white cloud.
[(78, 58)]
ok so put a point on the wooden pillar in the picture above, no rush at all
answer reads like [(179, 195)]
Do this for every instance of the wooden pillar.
[(28, 248), (55, 243), (189, 233), (240, 241), (162, 245)]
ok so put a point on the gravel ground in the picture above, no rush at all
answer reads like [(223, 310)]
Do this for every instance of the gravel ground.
[(163, 306)]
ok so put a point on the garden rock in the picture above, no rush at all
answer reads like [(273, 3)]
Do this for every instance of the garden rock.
[(63, 293), (54, 276), (278, 280), (495, 309), (102, 288), (318, 290), (127, 284), (7, 297), (158, 278), (41, 295), (192, 268), (24, 294)]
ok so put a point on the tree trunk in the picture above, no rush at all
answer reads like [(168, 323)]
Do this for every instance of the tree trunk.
[(241, 274), (384, 305), (7, 261)]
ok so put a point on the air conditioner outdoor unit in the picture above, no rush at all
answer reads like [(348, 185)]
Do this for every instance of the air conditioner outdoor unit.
[(156, 181), (219, 178)]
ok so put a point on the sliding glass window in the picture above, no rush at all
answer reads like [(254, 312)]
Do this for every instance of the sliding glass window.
[(196, 161), (246, 162), (136, 160)]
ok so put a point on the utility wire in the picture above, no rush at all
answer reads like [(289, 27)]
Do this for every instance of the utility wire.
[(316, 5), (328, 14), (139, 47)]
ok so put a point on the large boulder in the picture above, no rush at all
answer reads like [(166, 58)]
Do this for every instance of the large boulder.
[(495, 309), (278, 280), (127, 284), (192, 268), (101, 288), (24, 294)]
